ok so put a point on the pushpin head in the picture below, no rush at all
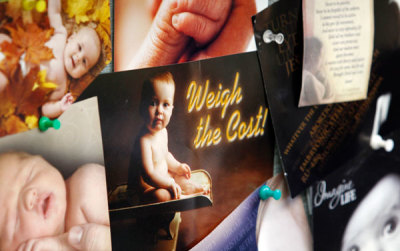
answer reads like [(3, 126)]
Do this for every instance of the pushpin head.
[(28, 4), (41, 6), (266, 192), (45, 123)]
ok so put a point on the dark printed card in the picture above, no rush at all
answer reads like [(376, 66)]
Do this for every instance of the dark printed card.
[(357, 206), (193, 138), (314, 141)]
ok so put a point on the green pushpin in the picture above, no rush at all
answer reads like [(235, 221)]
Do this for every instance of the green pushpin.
[(45, 123), (266, 192)]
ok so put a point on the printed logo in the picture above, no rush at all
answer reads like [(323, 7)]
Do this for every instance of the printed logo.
[(343, 194)]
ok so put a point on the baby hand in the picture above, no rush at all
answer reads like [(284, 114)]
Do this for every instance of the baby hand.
[(184, 170), (66, 101), (176, 189)]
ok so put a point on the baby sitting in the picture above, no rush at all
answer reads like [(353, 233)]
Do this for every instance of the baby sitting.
[(161, 176)]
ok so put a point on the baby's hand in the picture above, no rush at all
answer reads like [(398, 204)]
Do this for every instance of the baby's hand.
[(66, 101), (184, 170), (201, 19), (176, 189)]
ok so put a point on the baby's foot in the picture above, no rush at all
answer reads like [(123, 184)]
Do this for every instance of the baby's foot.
[(196, 189)]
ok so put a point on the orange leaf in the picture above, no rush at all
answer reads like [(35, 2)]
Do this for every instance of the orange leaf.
[(9, 65), (12, 124), (32, 40)]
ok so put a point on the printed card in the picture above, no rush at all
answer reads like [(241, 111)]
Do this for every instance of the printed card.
[(338, 45), (50, 51), (184, 145)]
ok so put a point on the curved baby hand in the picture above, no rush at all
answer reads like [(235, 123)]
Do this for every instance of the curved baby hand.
[(201, 19), (176, 189), (90, 237), (184, 169), (66, 101)]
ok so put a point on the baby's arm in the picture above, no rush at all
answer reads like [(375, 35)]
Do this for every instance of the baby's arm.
[(177, 167), (87, 197), (54, 14), (53, 109), (157, 180)]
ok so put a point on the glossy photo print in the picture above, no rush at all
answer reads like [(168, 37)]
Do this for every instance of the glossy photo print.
[(53, 186), (50, 51), (184, 145)]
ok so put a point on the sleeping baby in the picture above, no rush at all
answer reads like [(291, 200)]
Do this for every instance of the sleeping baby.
[(41, 211)]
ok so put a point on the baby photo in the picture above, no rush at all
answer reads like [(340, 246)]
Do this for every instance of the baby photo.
[(50, 51), (358, 206), (154, 170), (42, 210), (184, 145), (53, 186)]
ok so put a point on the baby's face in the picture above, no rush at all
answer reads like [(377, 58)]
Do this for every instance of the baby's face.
[(32, 197), (374, 225), (161, 106), (81, 52)]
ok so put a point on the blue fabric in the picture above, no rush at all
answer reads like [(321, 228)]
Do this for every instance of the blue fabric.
[(237, 231)]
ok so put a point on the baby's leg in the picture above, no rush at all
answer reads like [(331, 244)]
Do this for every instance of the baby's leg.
[(156, 195), (189, 187)]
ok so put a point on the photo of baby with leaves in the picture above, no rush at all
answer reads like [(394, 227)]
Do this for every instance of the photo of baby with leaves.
[(48, 55)]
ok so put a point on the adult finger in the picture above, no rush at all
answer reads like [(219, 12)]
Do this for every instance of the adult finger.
[(214, 10), (163, 44), (236, 33)]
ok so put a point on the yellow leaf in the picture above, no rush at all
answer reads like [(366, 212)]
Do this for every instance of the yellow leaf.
[(31, 121)]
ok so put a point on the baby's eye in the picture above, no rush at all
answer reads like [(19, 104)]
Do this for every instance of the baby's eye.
[(84, 61), (166, 105), (354, 248), (389, 227), (153, 103), (79, 47)]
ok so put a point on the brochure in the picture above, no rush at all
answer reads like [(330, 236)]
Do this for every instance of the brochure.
[(313, 141)]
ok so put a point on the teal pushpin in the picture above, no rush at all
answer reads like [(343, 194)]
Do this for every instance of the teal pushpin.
[(45, 123), (266, 192)]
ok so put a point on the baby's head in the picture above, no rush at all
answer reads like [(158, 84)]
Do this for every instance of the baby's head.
[(81, 52), (374, 225), (157, 101), (32, 197), (313, 54)]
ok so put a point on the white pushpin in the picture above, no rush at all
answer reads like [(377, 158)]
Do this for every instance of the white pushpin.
[(382, 108), (269, 37)]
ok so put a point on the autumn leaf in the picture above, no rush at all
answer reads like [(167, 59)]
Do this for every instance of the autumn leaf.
[(35, 93), (12, 53), (12, 124), (78, 9), (32, 40)]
